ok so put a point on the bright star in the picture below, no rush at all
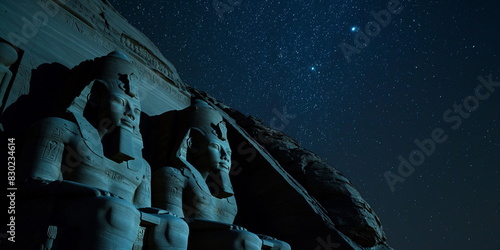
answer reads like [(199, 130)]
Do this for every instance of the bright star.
[(354, 28), (313, 68)]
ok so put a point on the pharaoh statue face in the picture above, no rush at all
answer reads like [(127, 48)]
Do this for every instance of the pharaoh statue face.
[(122, 110), (211, 153), (205, 147), (113, 97)]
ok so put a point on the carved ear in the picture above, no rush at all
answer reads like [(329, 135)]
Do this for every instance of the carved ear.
[(189, 146), (195, 137)]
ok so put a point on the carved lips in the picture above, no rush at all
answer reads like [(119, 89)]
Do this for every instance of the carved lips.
[(224, 165), (127, 123)]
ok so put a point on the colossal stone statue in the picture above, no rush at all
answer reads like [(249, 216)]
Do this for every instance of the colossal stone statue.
[(86, 170), (195, 184)]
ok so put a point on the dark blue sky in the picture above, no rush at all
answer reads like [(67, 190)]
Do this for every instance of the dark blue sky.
[(361, 115)]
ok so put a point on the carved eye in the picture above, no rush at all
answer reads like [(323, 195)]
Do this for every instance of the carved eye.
[(119, 100), (137, 111), (215, 145)]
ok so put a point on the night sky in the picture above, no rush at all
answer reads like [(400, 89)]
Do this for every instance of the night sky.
[(360, 104)]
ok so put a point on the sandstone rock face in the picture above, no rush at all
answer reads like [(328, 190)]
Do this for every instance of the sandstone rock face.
[(68, 32), (283, 190), (350, 213)]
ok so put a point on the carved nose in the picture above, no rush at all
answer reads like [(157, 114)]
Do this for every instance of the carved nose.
[(130, 115), (224, 155)]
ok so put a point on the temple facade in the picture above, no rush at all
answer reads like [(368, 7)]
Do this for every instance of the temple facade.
[(114, 151)]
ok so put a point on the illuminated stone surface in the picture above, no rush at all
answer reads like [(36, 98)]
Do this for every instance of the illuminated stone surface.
[(281, 190)]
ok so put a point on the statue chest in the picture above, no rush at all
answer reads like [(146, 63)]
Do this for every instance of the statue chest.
[(82, 165), (198, 203)]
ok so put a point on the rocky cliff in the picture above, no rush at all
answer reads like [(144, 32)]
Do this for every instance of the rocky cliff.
[(286, 190), (351, 214)]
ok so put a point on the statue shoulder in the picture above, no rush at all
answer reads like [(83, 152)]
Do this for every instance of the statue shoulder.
[(54, 127), (170, 174), (146, 169)]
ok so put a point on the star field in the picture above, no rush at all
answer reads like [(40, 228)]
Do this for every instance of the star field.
[(269, 57)]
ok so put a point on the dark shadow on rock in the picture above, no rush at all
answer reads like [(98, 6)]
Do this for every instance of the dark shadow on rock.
[(43, 100), (159, 137)]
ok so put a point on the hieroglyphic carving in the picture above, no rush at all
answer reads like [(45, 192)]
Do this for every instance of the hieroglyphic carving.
[(56, 133), (147, 55), (74, 17), (50, 152), (220, 211), (51, 236), (139, 239), (113, 175), (110, 188), (87, 31), (163, 76), (164, 85), (77, 10)]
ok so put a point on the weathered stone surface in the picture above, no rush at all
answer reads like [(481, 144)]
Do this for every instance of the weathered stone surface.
[(89, 163), (195, 184), (352, 215), (69, 32), (8, 56), (270, 200), (282, 189)]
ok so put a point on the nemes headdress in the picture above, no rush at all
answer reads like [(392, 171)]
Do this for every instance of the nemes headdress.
[(111, 73), (209, 122), (203, 118), (115, 70)]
